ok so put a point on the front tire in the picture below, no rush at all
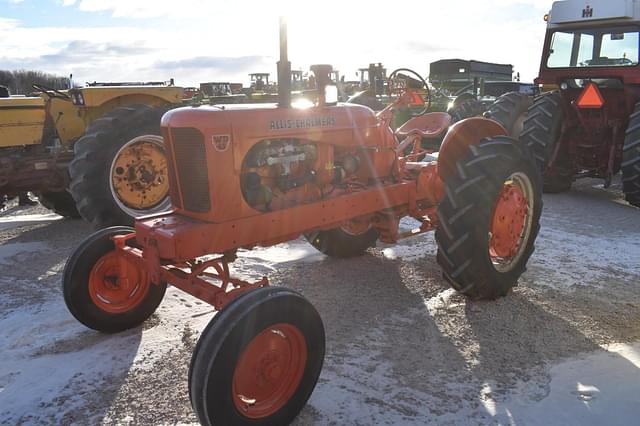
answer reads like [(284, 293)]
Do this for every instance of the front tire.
[(631, 159), (119, 170), (258, 360), (489, 218), (93, 292)]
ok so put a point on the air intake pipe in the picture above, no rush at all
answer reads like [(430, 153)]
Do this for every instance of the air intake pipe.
[(284, 69)]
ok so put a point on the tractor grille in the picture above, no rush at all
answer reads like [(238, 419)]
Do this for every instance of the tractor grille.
[(174, 193), (191, 166)]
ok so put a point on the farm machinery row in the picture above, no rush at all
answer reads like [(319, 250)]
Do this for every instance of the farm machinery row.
[(336, 174)]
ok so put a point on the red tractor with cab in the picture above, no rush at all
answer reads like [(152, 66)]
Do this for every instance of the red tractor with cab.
[(587, 124), (244, 176)]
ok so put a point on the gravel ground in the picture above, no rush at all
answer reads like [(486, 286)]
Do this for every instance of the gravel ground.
[(402, 348)]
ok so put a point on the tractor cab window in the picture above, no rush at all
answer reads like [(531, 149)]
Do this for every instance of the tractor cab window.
[(598, 47)]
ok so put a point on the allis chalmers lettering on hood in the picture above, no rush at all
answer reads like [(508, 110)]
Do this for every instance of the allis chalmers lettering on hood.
[(306, 123)]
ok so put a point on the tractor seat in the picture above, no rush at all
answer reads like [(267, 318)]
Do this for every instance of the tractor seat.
[(429, 125)]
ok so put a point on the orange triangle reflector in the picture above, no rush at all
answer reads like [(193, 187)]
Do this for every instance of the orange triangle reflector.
[(590, 97), (416, 99)]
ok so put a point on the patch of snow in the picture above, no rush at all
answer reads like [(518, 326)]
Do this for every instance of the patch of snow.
[(293, 251), (564, 259), (8, 222), (415, 248), (441, 300), (601, 388), (58, 361)]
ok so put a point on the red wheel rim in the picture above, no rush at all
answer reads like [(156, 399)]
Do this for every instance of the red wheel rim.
[(509, 222), (114, 290), (269, 371)]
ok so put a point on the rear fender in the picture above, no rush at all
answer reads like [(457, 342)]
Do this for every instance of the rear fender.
[(458, 139)]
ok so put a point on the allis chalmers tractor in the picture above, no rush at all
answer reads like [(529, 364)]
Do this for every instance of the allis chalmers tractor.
[(588, 124), (336, 173), (100, 144)]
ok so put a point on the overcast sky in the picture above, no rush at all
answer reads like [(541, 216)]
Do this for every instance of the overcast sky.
[(221, 40)]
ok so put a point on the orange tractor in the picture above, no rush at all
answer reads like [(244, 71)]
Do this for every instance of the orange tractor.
[(335, 173)]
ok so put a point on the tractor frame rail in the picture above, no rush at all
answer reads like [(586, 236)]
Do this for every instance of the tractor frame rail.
[(187, 276)]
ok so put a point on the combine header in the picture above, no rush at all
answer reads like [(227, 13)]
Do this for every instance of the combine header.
[(336, 173)]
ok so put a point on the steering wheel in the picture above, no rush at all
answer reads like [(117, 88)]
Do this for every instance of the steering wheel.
[(395, 86), (52, 93)]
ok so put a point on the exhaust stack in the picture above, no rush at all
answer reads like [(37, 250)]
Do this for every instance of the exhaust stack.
[(284, 69)]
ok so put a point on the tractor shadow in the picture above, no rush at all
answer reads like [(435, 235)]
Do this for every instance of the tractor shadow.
[(402, 348)]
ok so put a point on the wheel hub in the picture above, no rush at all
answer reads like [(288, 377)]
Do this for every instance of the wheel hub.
[(139, 174), (509, 221), (116, 290), (269, 371)]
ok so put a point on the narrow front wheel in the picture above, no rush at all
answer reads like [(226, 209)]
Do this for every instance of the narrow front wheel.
[(96, 293), (258, 360)]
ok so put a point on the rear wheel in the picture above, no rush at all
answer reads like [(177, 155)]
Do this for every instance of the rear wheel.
[(119, 171), (510, 110), (631, 159), (489, 219), (61, 203), (94, 292), (541, 134), (347, 241), (466, 109), (258, 360)]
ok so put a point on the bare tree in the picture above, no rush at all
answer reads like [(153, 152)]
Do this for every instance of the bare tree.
[(20, 82)]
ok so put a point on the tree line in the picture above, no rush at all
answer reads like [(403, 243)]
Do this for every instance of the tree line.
[(20, 82)]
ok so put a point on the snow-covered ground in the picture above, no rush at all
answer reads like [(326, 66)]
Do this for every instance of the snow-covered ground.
[(402, 348)]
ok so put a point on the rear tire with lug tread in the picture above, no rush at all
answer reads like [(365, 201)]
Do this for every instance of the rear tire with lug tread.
[(235, 381), (510, 110), (541, 134), (489, 218), (631, 159), (61, 203), (466, 109), (98, 150), (87, 304)]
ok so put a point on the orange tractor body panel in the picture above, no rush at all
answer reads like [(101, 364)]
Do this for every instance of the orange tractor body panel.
[(231, 132)]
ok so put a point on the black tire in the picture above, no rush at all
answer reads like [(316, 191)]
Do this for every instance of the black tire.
[(631, 159), (95, 151), (541, 134), (510, 111), (338, 243), (61, 203), (466, 109), (227, 336), (466, 215), (75, 287), (368, 99)]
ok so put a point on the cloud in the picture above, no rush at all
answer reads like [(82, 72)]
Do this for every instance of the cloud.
[(223, 39), (215, 63), (8, 24)]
